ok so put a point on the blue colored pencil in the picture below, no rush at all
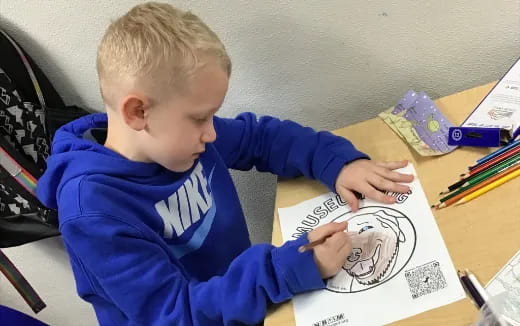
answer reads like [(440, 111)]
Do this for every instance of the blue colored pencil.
[(498, 152)]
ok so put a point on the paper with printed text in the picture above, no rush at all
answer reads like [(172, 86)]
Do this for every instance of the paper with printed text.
[(403, 271)]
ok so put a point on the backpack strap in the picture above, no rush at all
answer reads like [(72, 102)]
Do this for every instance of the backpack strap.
[(36, 85), (20, 283), (18, 172)]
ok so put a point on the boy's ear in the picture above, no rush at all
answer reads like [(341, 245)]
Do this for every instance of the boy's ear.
[(134, 109)]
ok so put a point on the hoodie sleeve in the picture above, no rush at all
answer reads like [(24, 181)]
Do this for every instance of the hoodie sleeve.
[(142, 280), (284, 148)]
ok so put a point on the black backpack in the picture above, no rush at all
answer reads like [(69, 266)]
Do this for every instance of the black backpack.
[(30, 112)]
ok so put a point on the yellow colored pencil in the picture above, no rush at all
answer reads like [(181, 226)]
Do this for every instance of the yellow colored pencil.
[(489, 187)]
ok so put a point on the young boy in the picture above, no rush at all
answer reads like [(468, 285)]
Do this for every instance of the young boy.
[(147, 208)]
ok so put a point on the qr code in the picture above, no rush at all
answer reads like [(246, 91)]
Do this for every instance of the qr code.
[(425, 279)]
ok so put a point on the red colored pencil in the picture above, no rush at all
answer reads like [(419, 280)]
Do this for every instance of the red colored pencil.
[(499, 158)]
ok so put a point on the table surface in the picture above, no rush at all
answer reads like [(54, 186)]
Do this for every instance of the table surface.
[(481, 235)]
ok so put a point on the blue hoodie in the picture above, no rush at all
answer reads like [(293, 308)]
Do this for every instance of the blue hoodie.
[(149, 246)]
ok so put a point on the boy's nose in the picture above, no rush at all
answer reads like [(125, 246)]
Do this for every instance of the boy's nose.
[(209, 134)]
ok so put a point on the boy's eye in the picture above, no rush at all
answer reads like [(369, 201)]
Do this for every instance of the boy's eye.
[(200, 120)]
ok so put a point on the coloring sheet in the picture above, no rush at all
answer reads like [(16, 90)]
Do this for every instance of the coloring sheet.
[(399, 265)]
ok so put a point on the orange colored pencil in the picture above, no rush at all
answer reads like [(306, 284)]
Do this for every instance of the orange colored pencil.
[(489, 187), (463, 194)]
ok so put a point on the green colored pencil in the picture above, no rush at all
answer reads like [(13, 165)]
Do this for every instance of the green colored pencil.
[(479, 177)]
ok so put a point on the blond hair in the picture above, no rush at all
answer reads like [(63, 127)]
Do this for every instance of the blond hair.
[(153, 39)]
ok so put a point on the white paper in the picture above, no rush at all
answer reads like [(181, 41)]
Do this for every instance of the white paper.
[(394, 279), (506, 284), (501, 107), (507, 278)]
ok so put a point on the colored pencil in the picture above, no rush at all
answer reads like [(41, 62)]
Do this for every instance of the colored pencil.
[(499, 151), (473, 182), (473, 179), (480, 289), (472, 292), (481, 167), (489, 187), (312, 244), (315, 243), (467, 190)]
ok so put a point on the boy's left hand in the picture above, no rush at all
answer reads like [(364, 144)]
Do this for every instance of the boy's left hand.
[(371, 178)]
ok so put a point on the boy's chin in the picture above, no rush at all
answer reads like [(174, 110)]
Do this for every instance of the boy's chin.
[(180, 167)]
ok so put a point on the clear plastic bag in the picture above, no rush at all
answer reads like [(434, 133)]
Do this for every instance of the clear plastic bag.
[(501, 310)]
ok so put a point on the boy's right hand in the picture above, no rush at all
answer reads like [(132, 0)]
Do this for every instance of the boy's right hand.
[(331, 254)]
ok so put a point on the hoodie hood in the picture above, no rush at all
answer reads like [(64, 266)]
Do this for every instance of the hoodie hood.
[(75, 152)]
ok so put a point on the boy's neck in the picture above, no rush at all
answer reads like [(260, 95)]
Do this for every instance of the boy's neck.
[(123, 141)]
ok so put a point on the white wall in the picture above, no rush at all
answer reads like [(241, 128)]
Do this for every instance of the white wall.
[(46, 266), (326, 64)]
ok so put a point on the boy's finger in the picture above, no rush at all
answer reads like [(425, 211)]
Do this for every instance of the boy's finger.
[(393, 164), (326, 230), (385, 184), (346, 250), (345, 241), (373, 193), (349, 197), (336, 241), (395, 176)]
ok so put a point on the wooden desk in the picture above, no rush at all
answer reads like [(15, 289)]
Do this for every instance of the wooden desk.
[(481, 235)]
